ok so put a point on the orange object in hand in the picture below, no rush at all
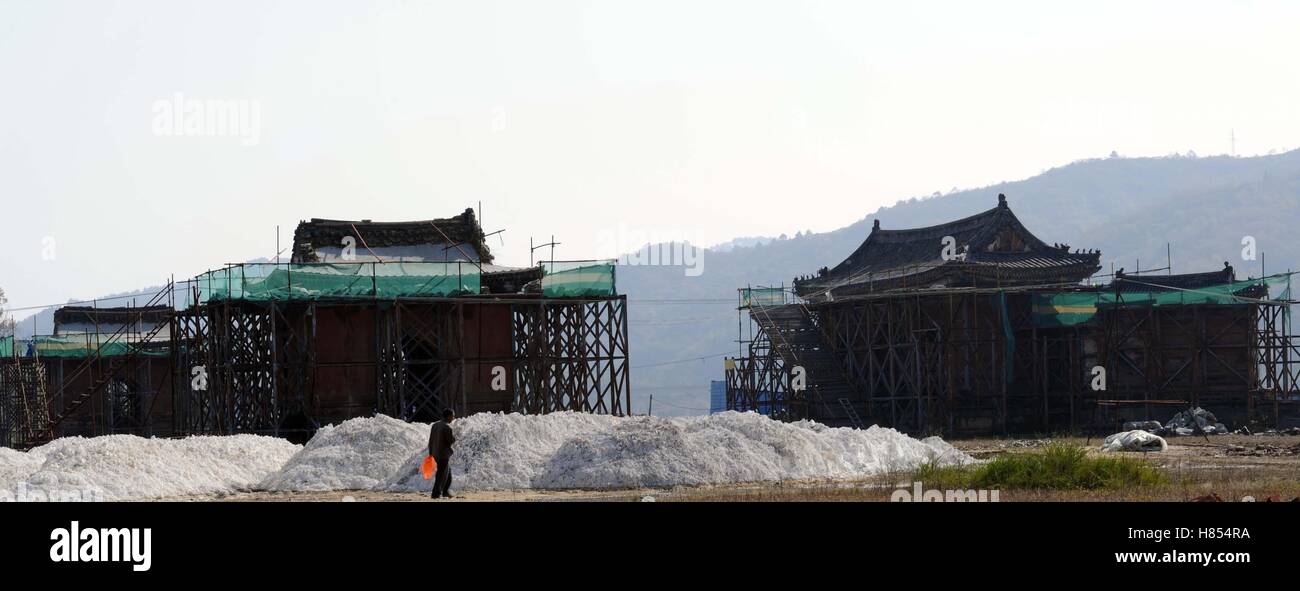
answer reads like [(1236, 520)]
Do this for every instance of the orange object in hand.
[(428, 467)]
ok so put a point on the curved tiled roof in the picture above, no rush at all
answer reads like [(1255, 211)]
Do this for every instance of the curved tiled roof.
[(117, 315), (992, 248), (322, 233), (1159, 283)]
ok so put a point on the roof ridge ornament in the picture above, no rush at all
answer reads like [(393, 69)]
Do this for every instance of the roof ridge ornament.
[(1002, 200), (875, 225)]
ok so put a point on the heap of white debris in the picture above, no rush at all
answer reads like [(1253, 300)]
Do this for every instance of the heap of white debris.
[(358, 454), (493, 452), (123, 467), (573, 450)]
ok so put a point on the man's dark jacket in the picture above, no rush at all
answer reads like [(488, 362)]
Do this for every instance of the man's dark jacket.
[(440, 441)]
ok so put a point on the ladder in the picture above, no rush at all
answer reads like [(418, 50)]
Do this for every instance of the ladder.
[(116, 364)]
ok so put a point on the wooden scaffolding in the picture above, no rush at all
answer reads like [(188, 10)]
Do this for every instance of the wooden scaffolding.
[(288, 368), (971, 361)]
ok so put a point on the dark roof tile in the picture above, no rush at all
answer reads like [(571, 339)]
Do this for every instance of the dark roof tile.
[(993, 247), (317, 233)]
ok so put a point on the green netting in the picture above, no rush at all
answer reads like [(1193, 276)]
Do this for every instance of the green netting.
[(263, 282), (76, 346), (6, 346), (761, 296), (1069, 309), (1062, 309), (1009, 349), (578, 280)]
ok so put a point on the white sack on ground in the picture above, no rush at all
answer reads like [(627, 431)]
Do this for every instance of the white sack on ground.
[(1136, 440)]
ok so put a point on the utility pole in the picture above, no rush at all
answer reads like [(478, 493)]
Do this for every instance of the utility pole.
[(651, 411)]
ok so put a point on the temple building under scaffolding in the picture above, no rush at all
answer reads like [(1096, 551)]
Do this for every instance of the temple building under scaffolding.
[(399, 318), (978, 327)]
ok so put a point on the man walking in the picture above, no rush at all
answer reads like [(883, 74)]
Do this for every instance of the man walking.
[(440, 441)]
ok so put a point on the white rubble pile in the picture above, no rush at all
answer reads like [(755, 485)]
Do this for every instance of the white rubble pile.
[(493, 452), (357, 454), (575, 450), (16, 466), (121, 467), (1136, 440)]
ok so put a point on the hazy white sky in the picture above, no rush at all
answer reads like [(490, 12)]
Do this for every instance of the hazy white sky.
[(701, 120)]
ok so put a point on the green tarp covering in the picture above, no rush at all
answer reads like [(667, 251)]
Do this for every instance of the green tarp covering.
[(264, 282), (260, 282), (578, 280), (761, 296), (1070, 309), (76, 346), (1063, 309), (6, 346)]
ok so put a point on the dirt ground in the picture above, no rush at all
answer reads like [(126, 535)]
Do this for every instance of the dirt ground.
[(1230, 466)]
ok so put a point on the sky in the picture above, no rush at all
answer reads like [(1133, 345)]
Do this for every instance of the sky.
[(601, 123)]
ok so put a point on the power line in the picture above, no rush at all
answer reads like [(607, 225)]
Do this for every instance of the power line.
[(676, 361), (91, 301), (684, 301), (695, 387), (185, 281)]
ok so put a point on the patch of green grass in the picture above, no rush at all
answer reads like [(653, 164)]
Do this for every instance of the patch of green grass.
[(1057, 466)]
